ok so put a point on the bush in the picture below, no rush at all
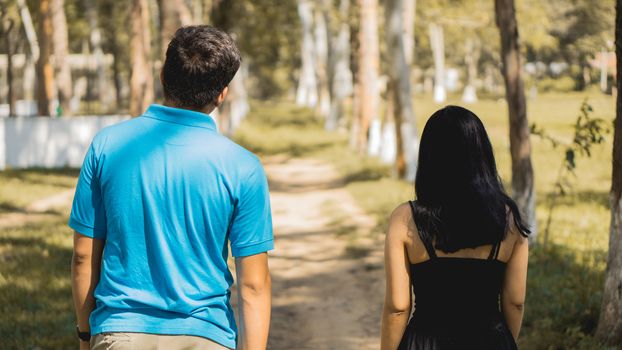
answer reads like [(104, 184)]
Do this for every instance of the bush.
[(561, 84)]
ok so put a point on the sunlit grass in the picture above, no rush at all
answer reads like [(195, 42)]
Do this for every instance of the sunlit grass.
[(565, 281), (35, 288), (19, 188)]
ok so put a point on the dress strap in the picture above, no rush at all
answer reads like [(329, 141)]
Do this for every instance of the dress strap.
[(424, 237), (494, 251)]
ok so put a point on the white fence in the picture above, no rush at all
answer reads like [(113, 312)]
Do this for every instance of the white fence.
[(27, 142)]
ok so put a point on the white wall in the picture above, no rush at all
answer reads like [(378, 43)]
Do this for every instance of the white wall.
[(48, 142)]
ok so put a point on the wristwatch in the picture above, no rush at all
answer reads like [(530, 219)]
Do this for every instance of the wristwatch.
[(84, 336)]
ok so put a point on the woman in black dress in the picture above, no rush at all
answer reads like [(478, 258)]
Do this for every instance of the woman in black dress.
[(461, 247)]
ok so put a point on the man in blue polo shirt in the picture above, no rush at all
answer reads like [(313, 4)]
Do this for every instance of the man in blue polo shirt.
[(159, 200)]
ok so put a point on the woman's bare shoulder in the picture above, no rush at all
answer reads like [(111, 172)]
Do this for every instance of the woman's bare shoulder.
[(402, 223)]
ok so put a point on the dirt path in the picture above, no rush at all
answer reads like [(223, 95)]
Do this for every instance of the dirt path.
[(38, 210), (327, 266)]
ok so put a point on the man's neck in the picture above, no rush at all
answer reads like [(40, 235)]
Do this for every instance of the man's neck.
[(207, 109)]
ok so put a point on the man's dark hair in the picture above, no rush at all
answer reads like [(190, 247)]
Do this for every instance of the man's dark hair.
[(200, 62)]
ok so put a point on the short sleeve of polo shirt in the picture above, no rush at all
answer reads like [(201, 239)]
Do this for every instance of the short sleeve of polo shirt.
[(250, 232), (87, 212)]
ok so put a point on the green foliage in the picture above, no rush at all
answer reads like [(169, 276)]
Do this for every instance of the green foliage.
[(268, 34), (283, 129), (588, 132), (561, 84), (563, 299)]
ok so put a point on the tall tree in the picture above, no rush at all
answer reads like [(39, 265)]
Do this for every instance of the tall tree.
[(341, 86), (97, 52), (61, 52), (141, 77), (409, 11), (610, 322), (7, 31), (45, 72), (520, 145), (399, 75), (321, 57), (437, 42), (472, 56), (33, 45), (173, 14), (368, 67), (306, 95)]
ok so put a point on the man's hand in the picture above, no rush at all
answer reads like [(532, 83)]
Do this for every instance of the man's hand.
[(84, 345), (254, 301), (85, 269)]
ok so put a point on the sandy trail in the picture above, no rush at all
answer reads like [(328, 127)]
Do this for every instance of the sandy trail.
[(326, 268), (327, 264), (44, 208)]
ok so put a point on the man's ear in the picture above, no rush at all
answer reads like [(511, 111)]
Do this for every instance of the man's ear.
[(221, 97), (161, 77)]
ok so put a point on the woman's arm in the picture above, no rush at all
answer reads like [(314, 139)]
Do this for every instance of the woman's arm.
[(397, 301), (514, 285)]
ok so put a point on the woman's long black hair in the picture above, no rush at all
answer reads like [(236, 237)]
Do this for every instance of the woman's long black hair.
[(460, 202)]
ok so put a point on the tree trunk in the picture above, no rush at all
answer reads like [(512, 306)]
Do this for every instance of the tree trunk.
[(102, 92), (438, 51), (45, 72), (306, 94), (610, 323), (33, 44), (6, 31), (341, 86), (141, 79), (61, 52), (368, 68), (409, 10), (469, 94), (399, 75), (321, 58), (173, 14), (116, 73), (520, 146), (231, 113)]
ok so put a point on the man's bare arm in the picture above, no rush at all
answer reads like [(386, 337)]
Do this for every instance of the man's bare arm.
[(254, 304), (85, 269)]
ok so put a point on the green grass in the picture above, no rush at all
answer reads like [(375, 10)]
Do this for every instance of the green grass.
[(19, 188), (36, 310), (565, 282)]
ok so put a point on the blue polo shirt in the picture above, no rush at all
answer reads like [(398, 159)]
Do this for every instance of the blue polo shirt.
[(168, 193)]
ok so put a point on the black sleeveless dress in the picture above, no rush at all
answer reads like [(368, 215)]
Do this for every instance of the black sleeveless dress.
[(457, 304)]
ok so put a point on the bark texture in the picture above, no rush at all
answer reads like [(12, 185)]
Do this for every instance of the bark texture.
[(306, 94), (610, 323), (7, 27), (341, 86), (399, 85), (321, 58), (44, 69), (173, 14), (437, 42), (61, 52), (368, 68), (523, 190), (141, 79), (33, 45)]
